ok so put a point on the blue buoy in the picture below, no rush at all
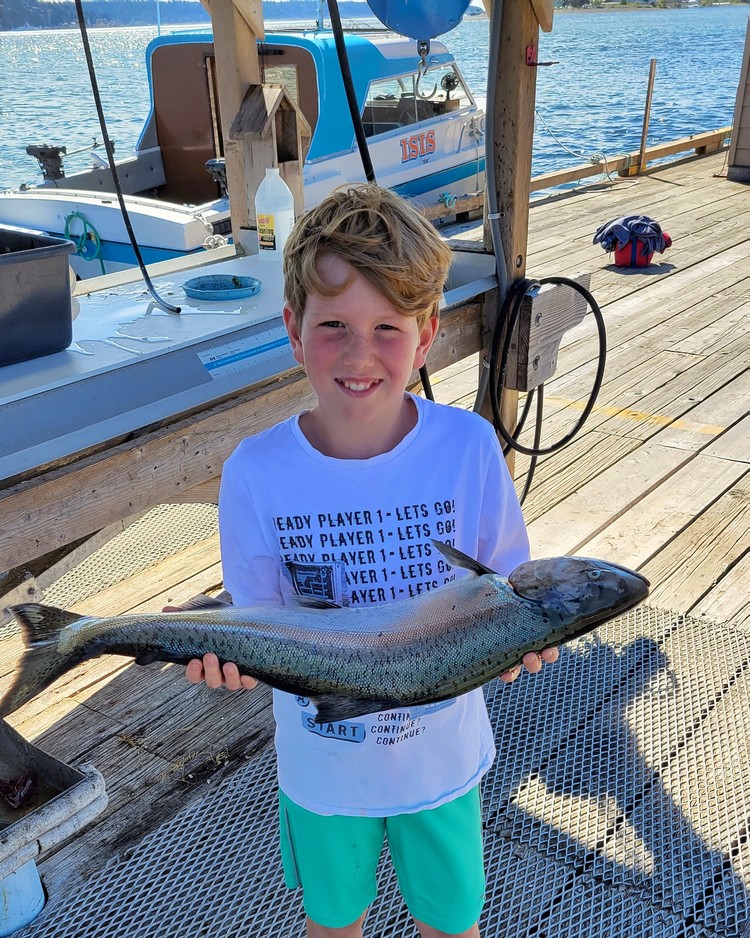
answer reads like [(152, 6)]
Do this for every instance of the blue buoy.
[(420, 19), (21, 898)]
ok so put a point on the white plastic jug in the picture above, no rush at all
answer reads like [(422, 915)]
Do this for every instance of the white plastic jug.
[(274, 211)]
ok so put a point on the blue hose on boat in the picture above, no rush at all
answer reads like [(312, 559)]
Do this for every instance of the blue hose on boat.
[(89, 236)]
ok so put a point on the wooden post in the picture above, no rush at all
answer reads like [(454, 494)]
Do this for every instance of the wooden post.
[(237, 68), (738, 169), (514, 88), (260, 125), (647, 117)]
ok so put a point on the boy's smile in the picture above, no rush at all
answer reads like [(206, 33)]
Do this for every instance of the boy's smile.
[(358, 352)]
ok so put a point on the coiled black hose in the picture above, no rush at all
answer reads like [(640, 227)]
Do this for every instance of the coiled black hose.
[(498, 366)]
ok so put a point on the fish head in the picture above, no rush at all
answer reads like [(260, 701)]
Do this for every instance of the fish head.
[(579, 590)]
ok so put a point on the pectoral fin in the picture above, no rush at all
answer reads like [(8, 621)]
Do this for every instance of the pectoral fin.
[(333, 708), (315, 602)]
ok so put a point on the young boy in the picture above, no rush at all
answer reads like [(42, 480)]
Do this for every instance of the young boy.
[(341, 503)]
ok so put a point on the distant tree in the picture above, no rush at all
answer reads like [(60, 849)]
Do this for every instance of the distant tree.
[(52, 15)]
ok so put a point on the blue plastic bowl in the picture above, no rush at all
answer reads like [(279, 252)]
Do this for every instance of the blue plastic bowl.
[(221, 287)]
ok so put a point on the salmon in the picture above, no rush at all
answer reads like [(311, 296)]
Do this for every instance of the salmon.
[(350, 662)]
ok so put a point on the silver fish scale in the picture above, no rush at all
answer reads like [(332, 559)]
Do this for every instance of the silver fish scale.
[(617, 807)]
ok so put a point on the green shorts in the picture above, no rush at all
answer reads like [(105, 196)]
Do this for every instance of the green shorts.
[(437, 854)]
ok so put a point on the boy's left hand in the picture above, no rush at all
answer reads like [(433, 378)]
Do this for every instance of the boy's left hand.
[(532, 662)]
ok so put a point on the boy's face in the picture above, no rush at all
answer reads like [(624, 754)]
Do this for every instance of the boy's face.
[(358, 351)]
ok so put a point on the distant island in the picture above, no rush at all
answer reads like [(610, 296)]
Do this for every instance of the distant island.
[(58, 14)]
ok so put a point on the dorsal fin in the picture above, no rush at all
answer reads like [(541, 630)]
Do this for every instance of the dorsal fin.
[(458, 558), (202, 601)]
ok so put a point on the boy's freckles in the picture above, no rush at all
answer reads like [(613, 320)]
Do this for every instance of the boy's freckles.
[(359, 353)]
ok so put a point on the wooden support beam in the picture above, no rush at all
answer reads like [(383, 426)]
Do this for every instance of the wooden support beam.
[(261, 125), (250, 10), (237, 68), (544, 11), (513, 94), (271, 131), (739, 149)]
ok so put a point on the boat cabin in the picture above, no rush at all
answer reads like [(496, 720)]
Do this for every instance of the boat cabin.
[(401, 99)]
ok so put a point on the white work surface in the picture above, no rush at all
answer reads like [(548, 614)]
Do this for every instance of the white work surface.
[(131, 363)]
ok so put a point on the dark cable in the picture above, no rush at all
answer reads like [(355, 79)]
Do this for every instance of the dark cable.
[(537, 440), (359, 131), (351, 95), (111, 158)]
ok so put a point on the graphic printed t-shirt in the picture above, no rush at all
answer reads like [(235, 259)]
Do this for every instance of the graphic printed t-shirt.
[(359, 532)]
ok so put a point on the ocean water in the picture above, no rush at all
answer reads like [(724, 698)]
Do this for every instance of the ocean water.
[(590, 102)]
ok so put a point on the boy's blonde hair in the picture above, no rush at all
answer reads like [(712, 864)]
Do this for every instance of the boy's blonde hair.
[(382, 236)]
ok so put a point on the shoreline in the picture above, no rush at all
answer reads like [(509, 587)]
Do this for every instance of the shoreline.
[(610, 6), (599, 6)]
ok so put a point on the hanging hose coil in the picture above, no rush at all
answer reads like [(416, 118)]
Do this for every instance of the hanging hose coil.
[(498, 365), (88, 243)]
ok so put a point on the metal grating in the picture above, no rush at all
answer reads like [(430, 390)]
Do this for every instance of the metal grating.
[(157, 535), (160, 533), (619, 805)]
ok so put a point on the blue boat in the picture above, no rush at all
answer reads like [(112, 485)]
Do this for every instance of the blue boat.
[(425, 134)]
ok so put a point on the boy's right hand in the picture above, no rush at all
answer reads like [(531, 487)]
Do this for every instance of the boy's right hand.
[(210, 671), (214, 675)]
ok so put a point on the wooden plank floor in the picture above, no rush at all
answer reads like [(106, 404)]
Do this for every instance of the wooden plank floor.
[(658, 479)]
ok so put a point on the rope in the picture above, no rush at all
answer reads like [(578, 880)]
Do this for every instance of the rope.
[(594, 158), (88, 237)]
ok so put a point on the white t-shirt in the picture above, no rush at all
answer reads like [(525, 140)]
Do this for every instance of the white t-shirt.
[(358, 532)]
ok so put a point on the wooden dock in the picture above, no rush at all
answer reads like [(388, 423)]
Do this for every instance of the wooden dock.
[(658, 480)]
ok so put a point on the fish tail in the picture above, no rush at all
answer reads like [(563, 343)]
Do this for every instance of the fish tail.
[(42, 662)]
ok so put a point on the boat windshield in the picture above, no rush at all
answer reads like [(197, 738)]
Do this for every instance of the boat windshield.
[(396, 102), (285, 75)]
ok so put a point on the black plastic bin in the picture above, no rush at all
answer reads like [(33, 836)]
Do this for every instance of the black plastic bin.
[(35, 307)]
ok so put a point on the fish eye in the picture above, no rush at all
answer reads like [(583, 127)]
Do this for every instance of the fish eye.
[(594, 574)]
